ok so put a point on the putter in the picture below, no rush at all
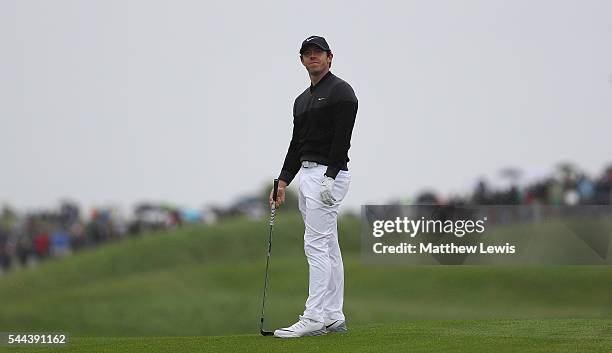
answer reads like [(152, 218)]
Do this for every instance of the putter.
[(263, 304)]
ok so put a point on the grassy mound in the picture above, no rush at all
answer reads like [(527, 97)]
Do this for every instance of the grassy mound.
[(207, 280)]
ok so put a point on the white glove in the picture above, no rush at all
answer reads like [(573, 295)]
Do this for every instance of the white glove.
[(326, 191)]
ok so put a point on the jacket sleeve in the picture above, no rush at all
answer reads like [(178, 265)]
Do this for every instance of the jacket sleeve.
[(344, 114), (291, 166)]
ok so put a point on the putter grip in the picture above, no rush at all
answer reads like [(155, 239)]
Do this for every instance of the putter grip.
[(275, 192)]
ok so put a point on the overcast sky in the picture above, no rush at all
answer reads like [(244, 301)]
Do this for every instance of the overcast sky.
[(113, 102)]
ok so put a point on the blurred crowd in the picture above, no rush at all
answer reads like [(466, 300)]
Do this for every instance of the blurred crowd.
[(566, 192), (567, 185), (35, 236), (26, 239)]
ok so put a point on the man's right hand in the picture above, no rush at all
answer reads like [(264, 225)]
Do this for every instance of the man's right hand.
[(280, 195)]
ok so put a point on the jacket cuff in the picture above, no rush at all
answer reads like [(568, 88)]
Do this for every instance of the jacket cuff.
[(286, 176), (332, 172)]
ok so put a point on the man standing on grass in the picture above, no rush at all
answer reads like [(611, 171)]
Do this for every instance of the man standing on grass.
[(323, 120)]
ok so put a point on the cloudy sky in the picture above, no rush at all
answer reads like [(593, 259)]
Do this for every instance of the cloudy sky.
[(112, 102)]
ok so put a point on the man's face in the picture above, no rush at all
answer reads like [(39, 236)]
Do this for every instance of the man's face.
[(316, 60)]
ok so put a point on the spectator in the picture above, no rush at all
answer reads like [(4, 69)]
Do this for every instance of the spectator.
[(604, 188), (41, 244), (5, 259), (586, 190), (59, 244)]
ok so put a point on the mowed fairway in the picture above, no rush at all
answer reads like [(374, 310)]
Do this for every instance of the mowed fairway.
[(554, 336), (207, 280)]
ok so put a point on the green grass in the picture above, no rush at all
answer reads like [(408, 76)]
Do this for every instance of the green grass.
[(207, 280), (555, 336)]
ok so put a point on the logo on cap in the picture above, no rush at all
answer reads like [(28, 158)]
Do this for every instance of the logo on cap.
[(315, 40)]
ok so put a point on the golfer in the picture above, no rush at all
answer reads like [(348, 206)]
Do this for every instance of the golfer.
[(323, 120)]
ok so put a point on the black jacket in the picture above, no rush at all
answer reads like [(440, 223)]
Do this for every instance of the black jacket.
[(323, 120)]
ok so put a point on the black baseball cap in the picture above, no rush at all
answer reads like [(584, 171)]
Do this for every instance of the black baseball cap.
[(315, 40)]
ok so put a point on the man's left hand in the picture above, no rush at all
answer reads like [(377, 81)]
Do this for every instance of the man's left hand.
[(326, 191)]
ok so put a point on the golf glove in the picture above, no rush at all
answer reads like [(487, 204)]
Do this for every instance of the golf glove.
[(326, 191)]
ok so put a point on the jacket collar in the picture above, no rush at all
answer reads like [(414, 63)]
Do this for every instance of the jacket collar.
[(325, 77)]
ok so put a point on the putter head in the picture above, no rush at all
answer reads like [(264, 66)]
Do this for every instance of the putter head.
[(266, 333)]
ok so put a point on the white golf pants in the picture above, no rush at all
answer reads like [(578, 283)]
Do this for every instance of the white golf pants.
[(326, 278)]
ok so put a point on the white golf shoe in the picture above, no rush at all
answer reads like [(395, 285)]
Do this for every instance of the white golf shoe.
[(304, 327), (335, 326)]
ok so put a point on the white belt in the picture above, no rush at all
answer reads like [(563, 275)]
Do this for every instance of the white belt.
[(309, 164)]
